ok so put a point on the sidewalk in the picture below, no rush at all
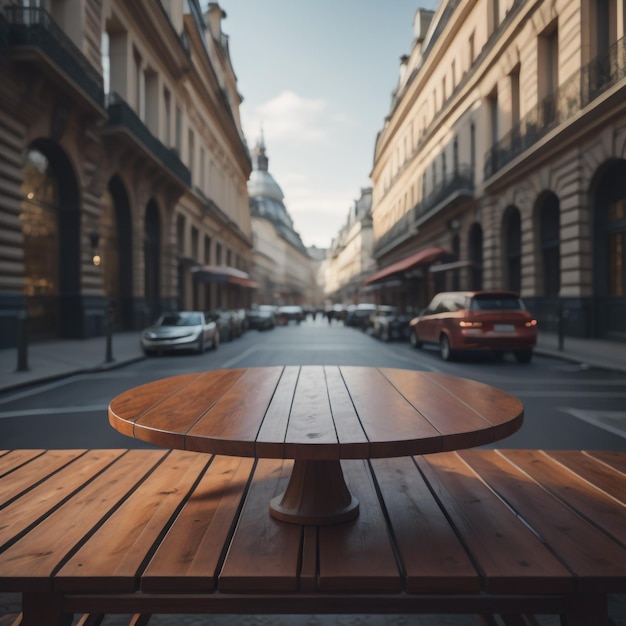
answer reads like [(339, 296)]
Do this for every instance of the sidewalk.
[(58, 358)]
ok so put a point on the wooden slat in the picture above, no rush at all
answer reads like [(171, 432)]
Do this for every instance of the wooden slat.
[(188, 558), (128, 407), (617, 460), (264, 554), (589, 553), (45, 496), (358, 556), (16, 458), (111, 560), (28, 564), (28, 475), (269, 441), (568, 479), (311, 431), (466, 415), (167, 422), (231, 425), (432, 556), (353, 443), (608, 480), (510, 557), (393, 426)]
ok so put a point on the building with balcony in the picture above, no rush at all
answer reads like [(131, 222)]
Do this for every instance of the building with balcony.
[(123, 166), (350, 259), (282, 268), (502, 161)]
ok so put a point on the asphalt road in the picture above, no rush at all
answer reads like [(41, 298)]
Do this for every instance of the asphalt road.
[(566, 406)]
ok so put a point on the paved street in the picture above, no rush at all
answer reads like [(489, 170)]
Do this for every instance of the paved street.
[(567, 405)]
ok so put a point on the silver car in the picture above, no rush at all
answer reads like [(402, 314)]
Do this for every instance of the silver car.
[(181, 330)]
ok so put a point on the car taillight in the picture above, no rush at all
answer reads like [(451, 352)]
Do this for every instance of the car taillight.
[(466, 324), (530, 323)]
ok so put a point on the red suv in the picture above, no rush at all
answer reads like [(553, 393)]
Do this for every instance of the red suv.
[(492, 321)]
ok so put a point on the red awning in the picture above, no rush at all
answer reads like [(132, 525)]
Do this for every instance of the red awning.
[(224, 274), (423, 257)]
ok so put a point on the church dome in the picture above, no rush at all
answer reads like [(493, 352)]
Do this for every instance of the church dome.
[(262, 183)]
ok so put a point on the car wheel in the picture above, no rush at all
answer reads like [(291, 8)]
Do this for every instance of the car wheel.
[(447, 353), (524, 356), (414, 339), (216, 340)]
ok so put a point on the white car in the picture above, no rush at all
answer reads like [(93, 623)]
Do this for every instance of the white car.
[(180, 330)]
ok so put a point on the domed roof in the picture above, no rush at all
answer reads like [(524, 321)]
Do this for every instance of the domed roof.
[(262, 183), (266, 197)]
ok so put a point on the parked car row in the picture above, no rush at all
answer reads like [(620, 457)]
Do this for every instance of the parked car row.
[(193, 330), (493, 322)]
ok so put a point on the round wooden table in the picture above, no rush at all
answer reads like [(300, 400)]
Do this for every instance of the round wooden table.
[(316, 415)]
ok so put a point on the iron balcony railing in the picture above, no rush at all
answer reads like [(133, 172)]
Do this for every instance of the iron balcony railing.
[(580, 89), (34, 27), (459, 181), (121, 114)]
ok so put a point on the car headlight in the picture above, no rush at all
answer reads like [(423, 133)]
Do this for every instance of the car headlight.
[(149, 335)]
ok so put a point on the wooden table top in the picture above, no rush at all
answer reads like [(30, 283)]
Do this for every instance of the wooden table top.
[(316, 412)]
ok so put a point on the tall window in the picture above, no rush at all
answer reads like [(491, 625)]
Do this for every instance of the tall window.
[(473, 150), (191, 146), (106, 62), (139, 85), (548, 72), (492, 104), (471, 51), (167, 114), (515, 96), (180, 235), (207, 250), (195, 241), (455, 155), (179, 130)]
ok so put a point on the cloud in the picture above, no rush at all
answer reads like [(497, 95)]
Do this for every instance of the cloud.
[(289, 116)]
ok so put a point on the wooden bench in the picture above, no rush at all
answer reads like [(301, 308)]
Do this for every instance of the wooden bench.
[(143, 532)]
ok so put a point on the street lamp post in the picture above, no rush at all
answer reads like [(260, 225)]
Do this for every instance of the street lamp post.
[(94, 238)]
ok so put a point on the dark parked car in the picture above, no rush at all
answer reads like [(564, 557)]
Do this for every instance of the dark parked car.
[(261, 318), (390, 323), (487, 321), (224, 321), (181, 330), (359, 316), (290, 313)]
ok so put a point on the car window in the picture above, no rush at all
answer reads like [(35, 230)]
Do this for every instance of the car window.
[(496, 302), (175, 319)]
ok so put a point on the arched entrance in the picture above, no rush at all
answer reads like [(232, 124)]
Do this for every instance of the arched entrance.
[(117, 267), (608, 200), (51, 242), (152, 261), (548, 215), (475, 256), (512, 230)]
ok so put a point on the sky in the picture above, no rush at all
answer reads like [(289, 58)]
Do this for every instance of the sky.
[(317, 77)]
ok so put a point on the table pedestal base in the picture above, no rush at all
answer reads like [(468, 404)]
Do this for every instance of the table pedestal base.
[(317, 494)]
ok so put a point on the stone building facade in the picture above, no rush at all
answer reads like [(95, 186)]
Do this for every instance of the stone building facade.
[(123, 165), (350, 259), (502, 162)]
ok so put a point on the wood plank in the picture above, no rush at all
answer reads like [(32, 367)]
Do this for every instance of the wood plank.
[(568, 480), (358, 556), (353, 443), (432, 557), (598, 562), (392, 424), (311, 430), (264, 554), (28, 564), (28, 475), (47, 495), (112, 560), (128, 407), (606, 478), (269, 441), (189, 557), (231, 425), (617, 460), (15, 458), (510, 557), (167, 421), (308, 571), (467, 415)]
